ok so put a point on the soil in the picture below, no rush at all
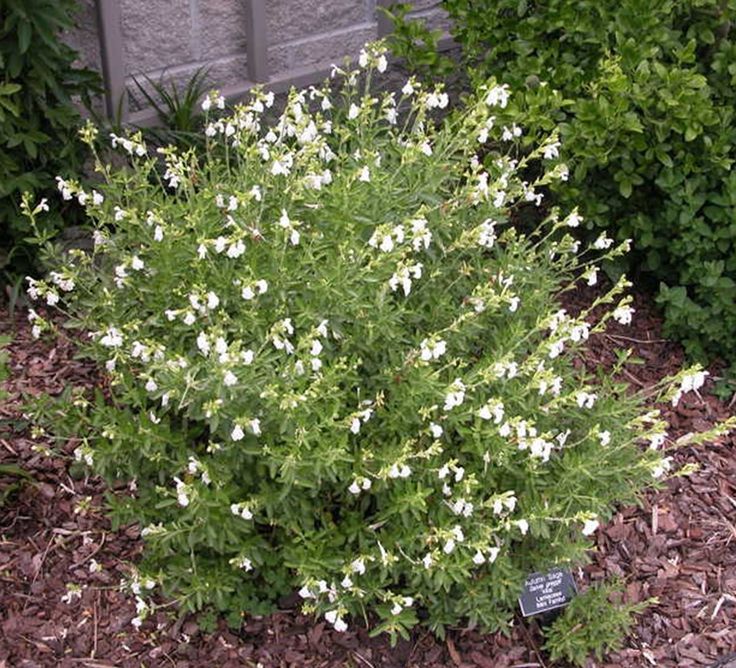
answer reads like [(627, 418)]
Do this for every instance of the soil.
[(678, 546)]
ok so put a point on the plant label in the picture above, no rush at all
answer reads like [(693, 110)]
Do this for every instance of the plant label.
[(543, 592)]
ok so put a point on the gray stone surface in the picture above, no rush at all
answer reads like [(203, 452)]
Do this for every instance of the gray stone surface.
[(436, 19), (221, 28), (83, 38), (170, 39), (296, 19), (327, 47), (156, 34)]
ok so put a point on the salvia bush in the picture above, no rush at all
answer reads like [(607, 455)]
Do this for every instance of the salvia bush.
[(336, 365)]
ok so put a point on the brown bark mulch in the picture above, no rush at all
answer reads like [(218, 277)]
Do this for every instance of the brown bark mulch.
[(679, 546)]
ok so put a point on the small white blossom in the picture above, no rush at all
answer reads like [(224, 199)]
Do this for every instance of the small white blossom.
[(498, 96), (623, 314), (589, 527)]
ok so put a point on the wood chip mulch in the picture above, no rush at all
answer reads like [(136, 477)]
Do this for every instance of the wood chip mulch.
[(679, 546)]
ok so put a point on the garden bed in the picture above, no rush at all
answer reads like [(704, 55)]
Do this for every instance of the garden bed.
[(680, 547)]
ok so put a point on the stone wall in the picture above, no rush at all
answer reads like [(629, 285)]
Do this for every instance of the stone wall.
[(172, 39)]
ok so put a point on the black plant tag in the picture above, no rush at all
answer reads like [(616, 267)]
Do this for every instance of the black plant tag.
[(543, 592)]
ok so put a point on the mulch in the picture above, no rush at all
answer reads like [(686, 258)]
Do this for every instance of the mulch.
[(678, 546)]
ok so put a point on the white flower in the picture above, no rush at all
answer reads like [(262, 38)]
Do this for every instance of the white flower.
[(354, 111), (151, 385), (427, 560), (437, 100), (408, 88), (589, 527), (237, 433), (552, 151), (574, 219), (436, 430), (580, 332), (493, 554), (203, 344), (523, 526), (591, 275), (112, 338), (623, 314), (365, 174), (354, 488), (235, 250), (478, 558), (498, 96), (244, 563), (693, 382), (381, 64), (449, 546), (255, 426), (602, 242), (509, 133), (358, 566), (429, 350), (605, 437), (340, 625), (585, 399), (655, 440), (662, 467), (487, 233), (230, 379), (493, 409), (181, 493), (456, 395)]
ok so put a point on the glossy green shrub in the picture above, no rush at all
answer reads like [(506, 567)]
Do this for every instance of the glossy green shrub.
[(336, 366), (39, 119), (643, 93)]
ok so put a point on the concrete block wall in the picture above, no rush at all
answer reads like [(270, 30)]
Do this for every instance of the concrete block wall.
[(170, 39)]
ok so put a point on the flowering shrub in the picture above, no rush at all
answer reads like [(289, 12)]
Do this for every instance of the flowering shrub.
[(336, 366)]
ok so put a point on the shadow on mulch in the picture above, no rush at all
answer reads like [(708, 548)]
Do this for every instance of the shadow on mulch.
[(679, 546)]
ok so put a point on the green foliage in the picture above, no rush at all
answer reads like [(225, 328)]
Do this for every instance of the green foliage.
[(417, 44), (644, 96), (39, 91), (4, 358), (178, 112), (335, 364), (15, 473), (592, 624)]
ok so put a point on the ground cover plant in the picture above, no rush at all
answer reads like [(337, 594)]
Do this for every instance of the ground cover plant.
[(336, 364), (39, 118), (643, 95)]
